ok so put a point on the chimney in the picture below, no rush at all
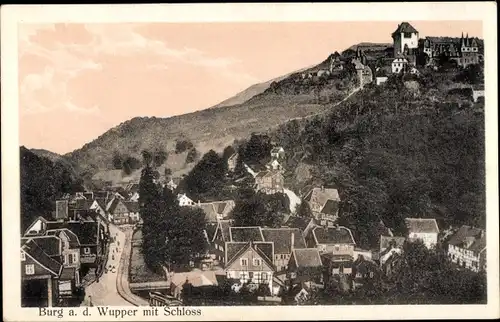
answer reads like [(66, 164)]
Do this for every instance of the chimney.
[(337, 227), (199, 202), (322, 188), (292, 241)]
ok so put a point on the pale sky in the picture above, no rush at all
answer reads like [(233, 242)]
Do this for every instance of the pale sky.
[(76, 81)]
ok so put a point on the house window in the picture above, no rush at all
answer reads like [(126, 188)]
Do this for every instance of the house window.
[(244, 275), (23, 256), (86, 250), (263, 277), (65, 259), (371, 274), (337, 248), (358, 275), (73, 258), (256, 262), (29, 269), (244, 262)]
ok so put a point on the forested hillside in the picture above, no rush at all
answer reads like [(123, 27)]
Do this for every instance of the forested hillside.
[(42, 181), (407, 148)]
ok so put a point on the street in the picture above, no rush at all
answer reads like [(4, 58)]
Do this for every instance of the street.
[(104, 292)]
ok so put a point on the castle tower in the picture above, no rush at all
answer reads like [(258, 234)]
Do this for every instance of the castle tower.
[(404, 35)]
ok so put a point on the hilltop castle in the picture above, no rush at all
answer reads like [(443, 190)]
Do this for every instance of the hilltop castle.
[(465, 51)]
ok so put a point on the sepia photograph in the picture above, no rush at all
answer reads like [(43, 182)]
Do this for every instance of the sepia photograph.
[(251, 163)]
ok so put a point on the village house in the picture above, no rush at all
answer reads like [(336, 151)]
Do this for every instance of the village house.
[(219, 239), (337, 269), (217, 210), (184, 200), (275, 165), (269, 182), (70, 255), (173, 183), (99, 206), (231, 161), (399, 65), (423, 229), (336, 240), (305, 265), (284, 240), (250, 262), (389, 246), (303, 224), (365, 272), (278, 153), (405, 39), (324, 204), (477, 92), (123, 212), (363, 71), (39, 275), (467, 248)]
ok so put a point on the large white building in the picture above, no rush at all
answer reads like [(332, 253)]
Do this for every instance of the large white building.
[(467, 248), (424, 229), (404, 38)]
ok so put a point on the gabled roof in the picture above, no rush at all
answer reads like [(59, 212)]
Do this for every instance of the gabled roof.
[(73, 240), (469, 238), (42, 219), (331, 207), (245, 234), (51, 245), (386, 241), (422, 225), (114, 204), (132, 206), (85, 230), (33, 250), (320, 196), (217, 208), (335, 235), (404, 27), (298, 222), (223, 226), (307, 257), (282, 239), (235, 249)]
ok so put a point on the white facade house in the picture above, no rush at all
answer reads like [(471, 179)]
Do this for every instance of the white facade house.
[(184, 200), (467, 248), (405, 37), (423, 229), (398, 65), (380, 80)]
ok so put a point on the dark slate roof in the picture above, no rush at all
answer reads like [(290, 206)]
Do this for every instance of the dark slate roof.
[(282, 239), (67, 273), (81, 204), (132, 206), (235, 249), (298, 222), (335, 235), (385, 241), (405, 27), (331, 207), (85, 230), (364, 266), (307, 257), (320, 196), (51, 245), (113, 205), (74, 242), (470, 238), (246, 234), (422, 225), (33, 250)]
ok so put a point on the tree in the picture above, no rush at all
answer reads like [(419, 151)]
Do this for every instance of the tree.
[(146, 157), (183, 145), (168, 172), (258, 209), (192, 155), (117, 161), (228, 152), (208, 176), (304, 210), (185, 237), (257, 149), (160, 157)]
